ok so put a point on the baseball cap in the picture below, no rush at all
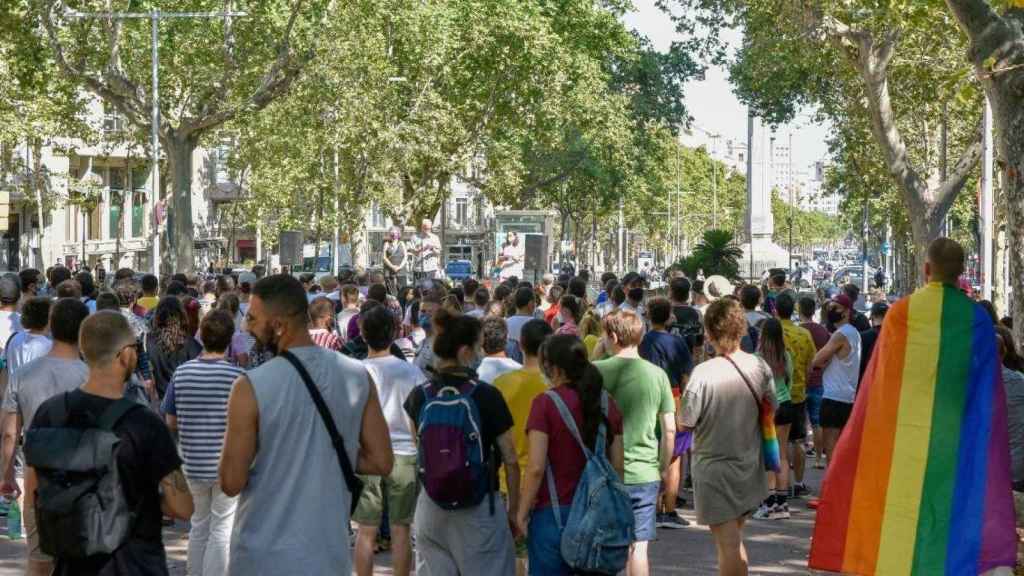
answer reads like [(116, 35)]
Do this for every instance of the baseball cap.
[(844, 301), (10, 291)]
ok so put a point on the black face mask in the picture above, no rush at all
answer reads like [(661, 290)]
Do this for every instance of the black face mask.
[(835, 316)]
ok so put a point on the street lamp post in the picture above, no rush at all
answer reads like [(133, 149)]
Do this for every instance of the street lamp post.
[(154, 16)]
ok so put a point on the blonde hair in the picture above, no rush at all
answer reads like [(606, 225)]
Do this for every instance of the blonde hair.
[(626, 326), (725, 323)]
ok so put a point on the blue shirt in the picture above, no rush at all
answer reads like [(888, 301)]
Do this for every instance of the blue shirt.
[(669, 352)]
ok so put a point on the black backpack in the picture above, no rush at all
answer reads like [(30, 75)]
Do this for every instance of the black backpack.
[(80, 505)]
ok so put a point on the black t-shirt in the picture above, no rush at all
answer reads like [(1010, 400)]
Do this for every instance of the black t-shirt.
[(688, 324), (164, 363), (867, 345), (860, 321), (147, 454), (496, 419)]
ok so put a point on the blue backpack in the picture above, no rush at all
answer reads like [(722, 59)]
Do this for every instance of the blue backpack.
[(599, 530), (452, 460)]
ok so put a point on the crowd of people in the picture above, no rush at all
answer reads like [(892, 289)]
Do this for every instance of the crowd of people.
[(451, 424)]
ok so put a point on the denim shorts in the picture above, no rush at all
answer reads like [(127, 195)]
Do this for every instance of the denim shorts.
[(544, 545), (814, 404), (644, 498)]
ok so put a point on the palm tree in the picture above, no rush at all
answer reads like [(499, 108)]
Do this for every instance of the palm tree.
[(716, 253)]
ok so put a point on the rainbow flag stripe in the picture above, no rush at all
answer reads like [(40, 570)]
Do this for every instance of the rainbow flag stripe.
[(920, 482)]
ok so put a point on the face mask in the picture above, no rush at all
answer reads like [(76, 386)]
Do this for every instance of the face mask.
[(547, 381), (835, 316)]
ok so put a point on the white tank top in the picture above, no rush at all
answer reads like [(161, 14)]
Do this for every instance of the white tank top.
[(841, 374)]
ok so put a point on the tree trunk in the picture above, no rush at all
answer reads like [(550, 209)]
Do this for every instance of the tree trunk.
[(1008, 114), (180, 255), (997, 53)]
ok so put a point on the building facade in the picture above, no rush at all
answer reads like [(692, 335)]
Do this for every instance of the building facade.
[(95, 204)]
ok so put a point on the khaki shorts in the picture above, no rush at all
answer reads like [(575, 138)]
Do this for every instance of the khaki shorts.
[(401, 488)]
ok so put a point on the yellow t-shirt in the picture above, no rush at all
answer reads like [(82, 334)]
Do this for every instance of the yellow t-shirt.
[(800, 346), (148, 302), (519, 388)]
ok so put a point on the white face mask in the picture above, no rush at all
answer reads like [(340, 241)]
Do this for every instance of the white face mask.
[(547, 381)]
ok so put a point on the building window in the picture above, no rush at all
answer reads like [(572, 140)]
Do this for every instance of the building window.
[(140, 177), (113, 121), (376, 216), (222, 164), (462, 211), (116, 200)]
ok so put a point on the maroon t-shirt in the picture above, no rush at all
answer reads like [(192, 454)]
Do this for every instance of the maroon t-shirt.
[(820, 336), (564, 454)]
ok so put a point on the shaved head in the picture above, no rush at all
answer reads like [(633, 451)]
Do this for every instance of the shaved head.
[(945, 261), (103, 335)]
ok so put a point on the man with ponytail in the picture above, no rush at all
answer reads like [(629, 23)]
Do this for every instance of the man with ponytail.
[(643, 393)]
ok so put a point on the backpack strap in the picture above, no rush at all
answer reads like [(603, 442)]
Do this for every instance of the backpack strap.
[(114, 413), (352, 482), (570, 423), (568, 420)]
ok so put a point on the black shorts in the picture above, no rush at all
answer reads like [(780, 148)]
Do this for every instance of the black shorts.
[(794, 415), (835, 414)]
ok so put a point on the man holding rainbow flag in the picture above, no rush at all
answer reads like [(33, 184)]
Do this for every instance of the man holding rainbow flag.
[(920, 483)]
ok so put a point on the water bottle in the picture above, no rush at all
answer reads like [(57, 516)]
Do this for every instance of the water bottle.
[(14, 521)]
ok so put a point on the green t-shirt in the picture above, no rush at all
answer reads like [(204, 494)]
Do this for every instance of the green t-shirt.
[(782, 383), (642, 393)]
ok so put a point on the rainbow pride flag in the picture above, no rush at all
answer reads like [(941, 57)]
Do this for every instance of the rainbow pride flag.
[(920, 482)]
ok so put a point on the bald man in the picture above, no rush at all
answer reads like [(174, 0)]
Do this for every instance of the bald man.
[(149, 468), (923, 465), (426, 247)]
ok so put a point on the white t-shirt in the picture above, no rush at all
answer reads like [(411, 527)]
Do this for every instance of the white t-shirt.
[(492, 367), (395, 379), (428, 251), (513, 263), (10, 322), (841, 374), (24, 348)]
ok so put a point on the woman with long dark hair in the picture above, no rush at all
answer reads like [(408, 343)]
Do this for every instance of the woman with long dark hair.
[(570, 312), (472, 539), (771, 347), (578, 384), (170, 344)]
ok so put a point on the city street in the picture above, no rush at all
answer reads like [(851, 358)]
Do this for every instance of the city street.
[(774, 547)]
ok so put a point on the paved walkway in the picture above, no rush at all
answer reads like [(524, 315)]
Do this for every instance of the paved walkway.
[(774, 547)]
